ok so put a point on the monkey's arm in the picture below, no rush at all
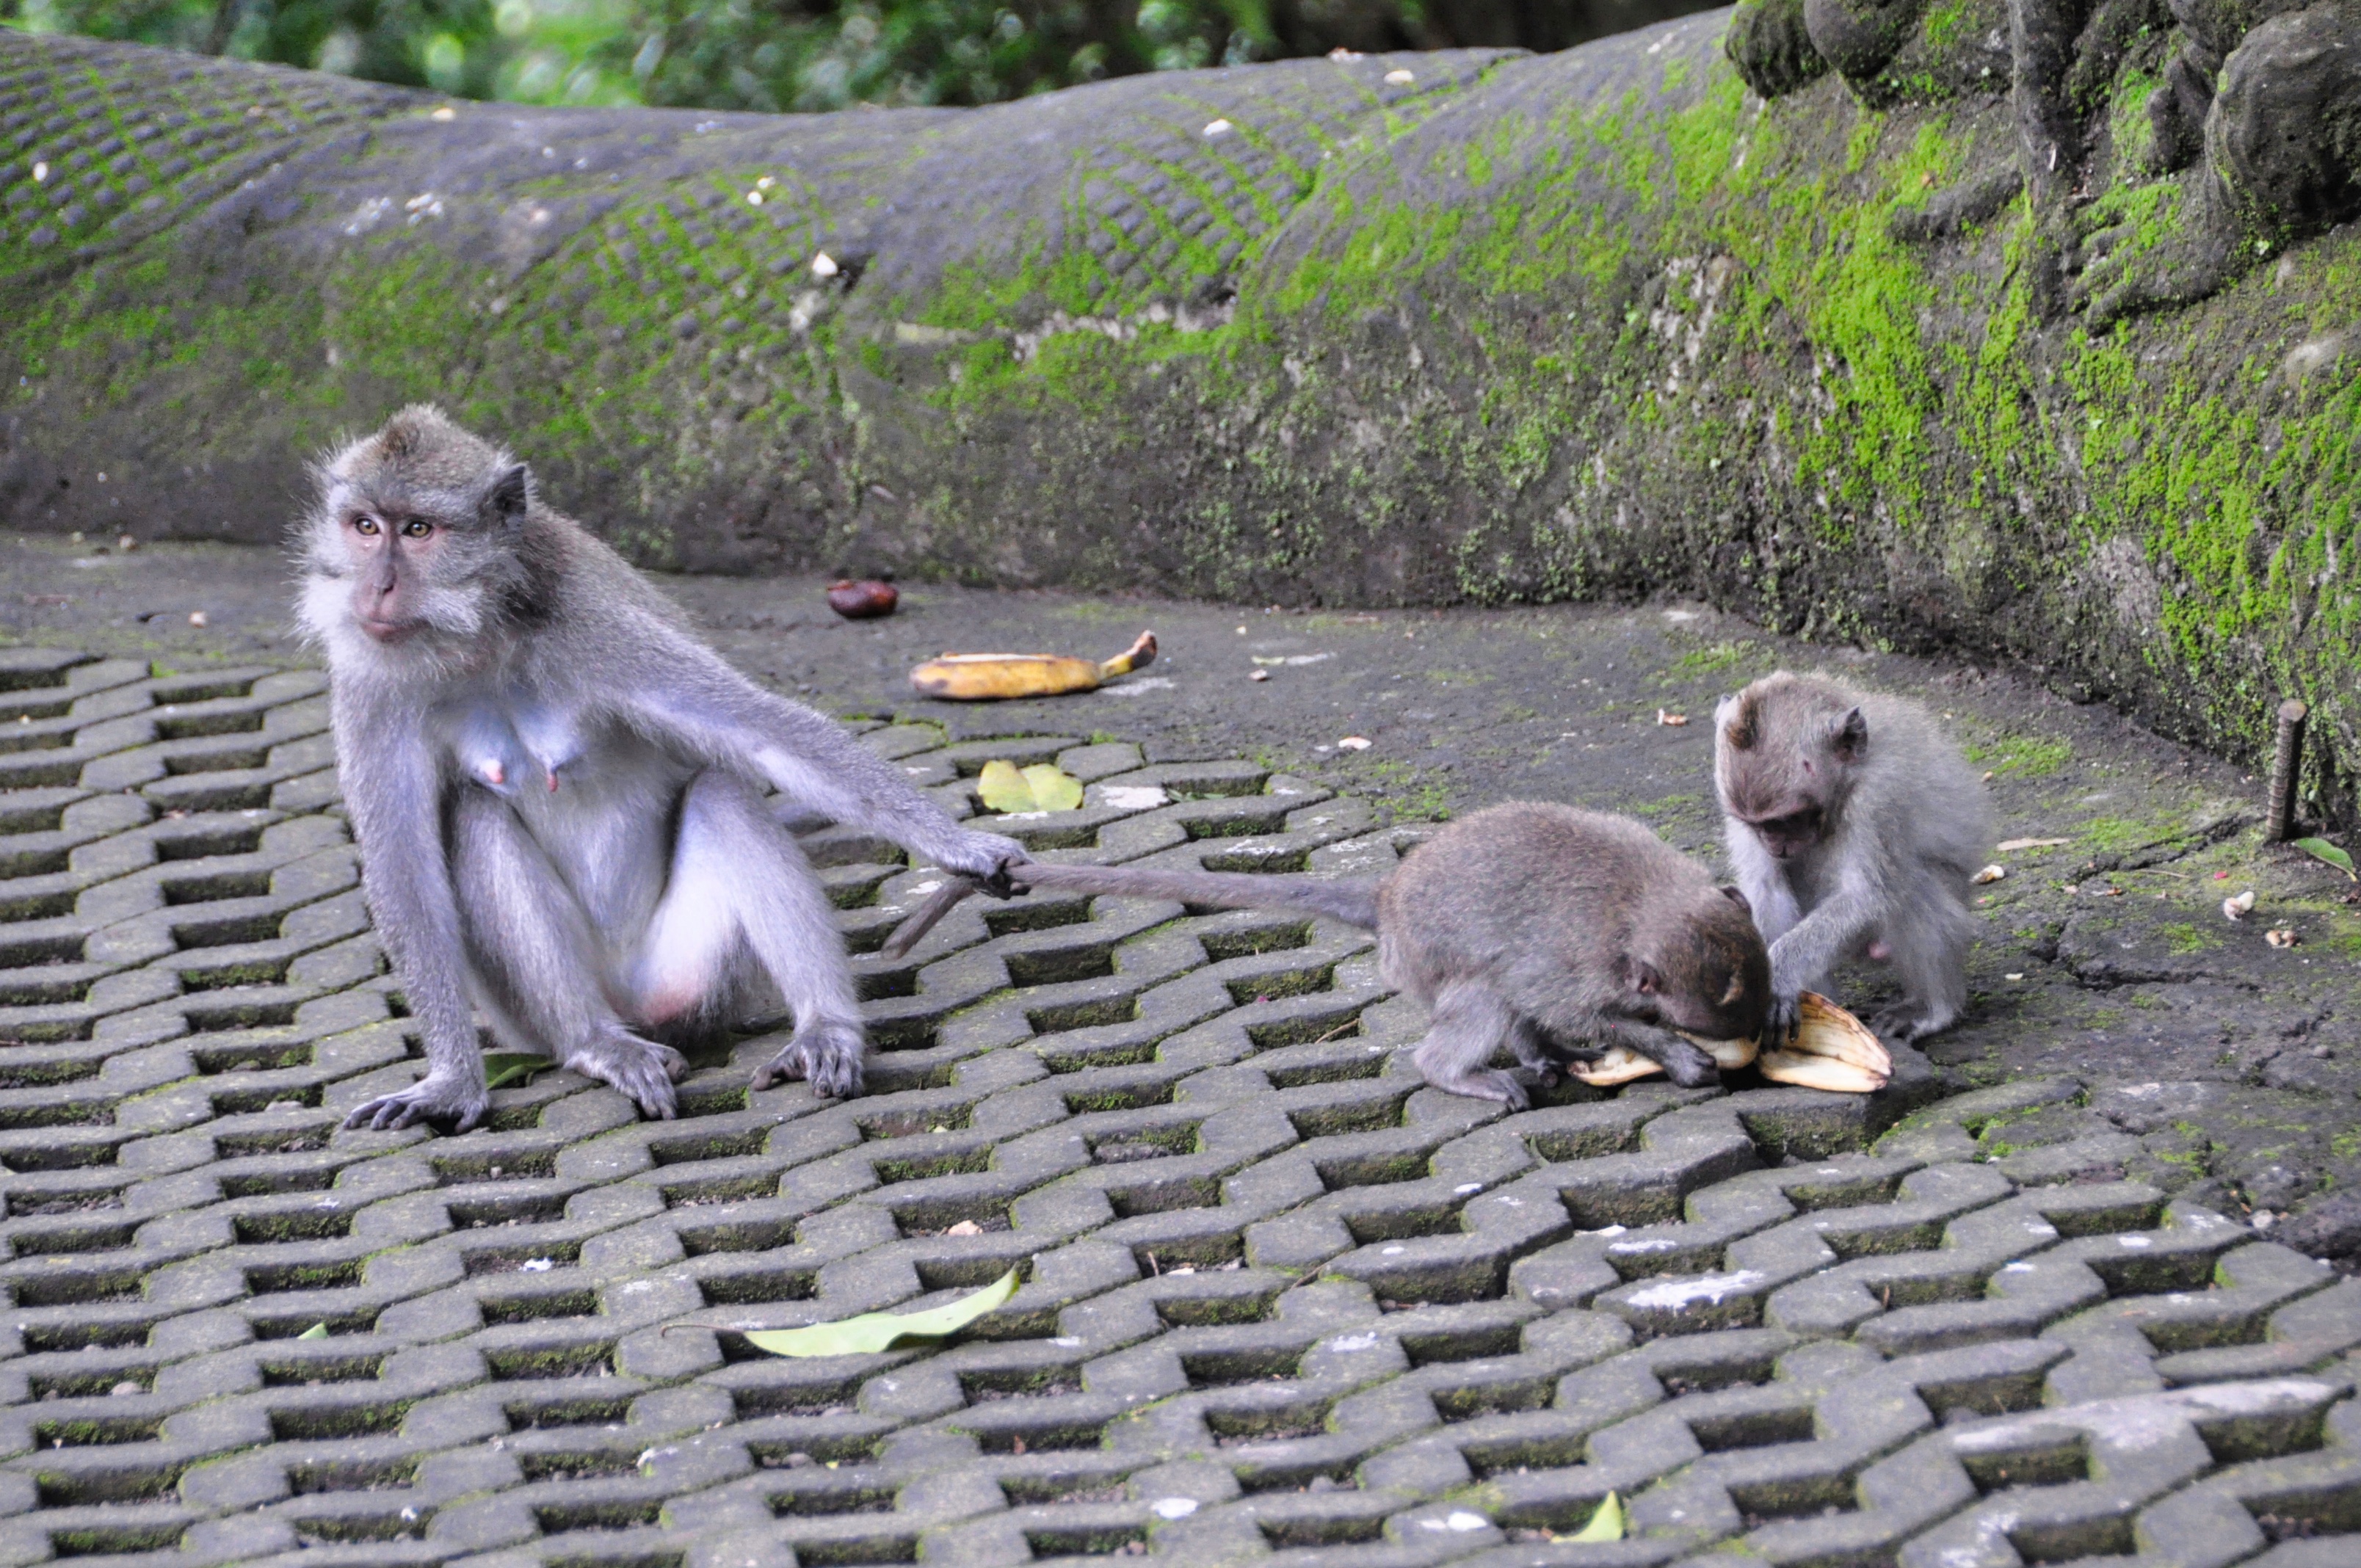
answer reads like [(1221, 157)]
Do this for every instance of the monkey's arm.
[(392, 789), (1803, 954), (690, 696), (1768, 896)]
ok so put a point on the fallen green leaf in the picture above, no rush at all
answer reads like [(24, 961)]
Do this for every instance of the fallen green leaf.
[(880, 1330), (1003, 789), (1606, 1524), (1052, 790), (317, 1331), (2322, 849), (504, 1067), (1041, 788)]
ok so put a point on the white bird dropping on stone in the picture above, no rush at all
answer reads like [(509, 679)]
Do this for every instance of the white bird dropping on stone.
[(823, 265)]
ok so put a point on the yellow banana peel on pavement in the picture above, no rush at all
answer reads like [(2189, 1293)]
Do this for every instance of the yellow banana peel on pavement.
[(992, 677)]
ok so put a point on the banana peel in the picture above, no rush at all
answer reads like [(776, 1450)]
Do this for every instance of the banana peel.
[(991, 678), (1832, 1051)]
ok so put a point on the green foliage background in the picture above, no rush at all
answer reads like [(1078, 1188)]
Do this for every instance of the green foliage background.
[(808, 54)]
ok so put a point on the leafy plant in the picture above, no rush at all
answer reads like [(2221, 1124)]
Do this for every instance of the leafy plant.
[(804, 54)]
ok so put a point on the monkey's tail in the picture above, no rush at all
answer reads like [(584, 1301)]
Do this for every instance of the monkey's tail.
[(1353, 900)]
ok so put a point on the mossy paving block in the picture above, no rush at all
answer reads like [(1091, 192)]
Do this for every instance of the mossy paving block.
[(1272, 1286)]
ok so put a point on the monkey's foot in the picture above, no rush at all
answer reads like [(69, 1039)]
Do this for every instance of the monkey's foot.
[(1487, 1083), (641, 1069), (825, 1054), (452, 1102), (1908, 1021)]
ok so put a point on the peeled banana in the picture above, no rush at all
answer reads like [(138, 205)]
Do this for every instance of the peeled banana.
[(1832, 1051), (988, 677), (1621, 1066)]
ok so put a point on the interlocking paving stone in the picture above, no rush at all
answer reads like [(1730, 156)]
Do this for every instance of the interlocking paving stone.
[(1279, 1298)]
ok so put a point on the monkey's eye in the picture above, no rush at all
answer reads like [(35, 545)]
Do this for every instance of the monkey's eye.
[(417, 528), (365, 525)]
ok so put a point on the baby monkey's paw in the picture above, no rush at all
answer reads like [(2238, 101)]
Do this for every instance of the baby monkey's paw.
[(1487, 1083), (452, 1102), (641, 1069), (825, 1054), (1904, 1022)]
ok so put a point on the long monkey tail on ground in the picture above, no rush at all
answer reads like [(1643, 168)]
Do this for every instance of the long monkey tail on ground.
[(1353, 900)]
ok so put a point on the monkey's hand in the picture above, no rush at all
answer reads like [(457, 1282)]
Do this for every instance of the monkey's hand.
[(1682, 1060), (984, 858), (444, 1099), (1784, 1018)]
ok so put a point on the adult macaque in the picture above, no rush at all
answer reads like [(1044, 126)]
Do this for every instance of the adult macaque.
[(556, 789), (1854, 825)]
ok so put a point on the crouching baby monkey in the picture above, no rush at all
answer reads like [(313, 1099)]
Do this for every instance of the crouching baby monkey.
[(556, 789), (1555, 932), (1854, 825)]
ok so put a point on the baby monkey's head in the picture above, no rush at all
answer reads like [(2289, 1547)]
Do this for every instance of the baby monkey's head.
[(1784, 755), (1702, 966)]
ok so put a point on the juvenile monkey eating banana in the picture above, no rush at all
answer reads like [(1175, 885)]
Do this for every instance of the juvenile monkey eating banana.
[(556, 789), (1854, 825), (1559, 933)]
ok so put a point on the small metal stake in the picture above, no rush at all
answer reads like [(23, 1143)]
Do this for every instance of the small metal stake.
[(2286, 761)]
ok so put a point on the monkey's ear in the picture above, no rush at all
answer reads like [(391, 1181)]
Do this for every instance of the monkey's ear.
[(1729, 891), (1848, 737), (510, 494), (1741, 727), (1642, 976)]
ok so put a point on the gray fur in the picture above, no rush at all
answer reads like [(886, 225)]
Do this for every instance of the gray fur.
[(554, 788), (1553, 931), (1883, 868)]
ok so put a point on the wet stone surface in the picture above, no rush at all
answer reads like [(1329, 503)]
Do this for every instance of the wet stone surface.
[(1277, 1298)]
